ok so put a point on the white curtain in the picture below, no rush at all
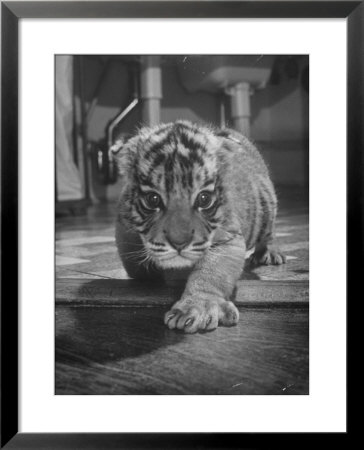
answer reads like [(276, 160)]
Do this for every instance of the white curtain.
[(69, 185)]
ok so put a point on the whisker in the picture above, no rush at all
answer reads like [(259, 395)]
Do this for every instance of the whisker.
[(158, 244), (134, 252), (196, 244), (159, 250)]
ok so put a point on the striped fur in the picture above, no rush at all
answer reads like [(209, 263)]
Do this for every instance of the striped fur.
[(188, 191)]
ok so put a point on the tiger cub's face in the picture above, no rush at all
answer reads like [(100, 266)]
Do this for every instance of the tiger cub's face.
[(172, 193)]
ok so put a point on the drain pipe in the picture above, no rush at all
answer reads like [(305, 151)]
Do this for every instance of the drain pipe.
[(240, 107), (151, 89)]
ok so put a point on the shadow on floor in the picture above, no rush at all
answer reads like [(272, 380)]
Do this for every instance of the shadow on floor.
[(86, 335)]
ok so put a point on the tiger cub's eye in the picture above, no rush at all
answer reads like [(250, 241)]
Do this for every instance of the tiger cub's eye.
[(204, 199), (153, 200)]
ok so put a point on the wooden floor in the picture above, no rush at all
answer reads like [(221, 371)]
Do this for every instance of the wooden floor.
[(110, 337)]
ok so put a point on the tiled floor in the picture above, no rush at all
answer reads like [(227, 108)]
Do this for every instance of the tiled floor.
[(110, 337)]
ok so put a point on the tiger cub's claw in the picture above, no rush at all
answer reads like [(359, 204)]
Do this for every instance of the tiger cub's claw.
[(267, 258), (201, 316)]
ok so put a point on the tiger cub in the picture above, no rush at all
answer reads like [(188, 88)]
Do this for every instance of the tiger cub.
[(194, 197)]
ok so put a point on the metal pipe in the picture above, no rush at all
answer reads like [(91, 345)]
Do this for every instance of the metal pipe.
[(118, 119), (240, 107), (222, 111), (151, 89)]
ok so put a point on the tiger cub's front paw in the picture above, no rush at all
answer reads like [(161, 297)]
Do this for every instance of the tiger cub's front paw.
[(192, 316)]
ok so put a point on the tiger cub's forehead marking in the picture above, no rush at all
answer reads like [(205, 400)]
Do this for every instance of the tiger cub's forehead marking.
[(176, 157)]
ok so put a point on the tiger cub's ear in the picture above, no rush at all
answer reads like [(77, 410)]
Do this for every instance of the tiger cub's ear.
[(123, 151)]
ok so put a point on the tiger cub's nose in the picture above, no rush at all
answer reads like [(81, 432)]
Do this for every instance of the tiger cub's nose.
[(179, 240)]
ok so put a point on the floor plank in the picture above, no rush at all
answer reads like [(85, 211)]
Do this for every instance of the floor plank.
[(108, 292), (130, 351)]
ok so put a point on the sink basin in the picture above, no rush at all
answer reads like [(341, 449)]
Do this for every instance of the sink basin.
[(214, 73)]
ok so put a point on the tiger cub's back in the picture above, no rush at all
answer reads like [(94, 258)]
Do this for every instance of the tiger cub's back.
[(249, 184)]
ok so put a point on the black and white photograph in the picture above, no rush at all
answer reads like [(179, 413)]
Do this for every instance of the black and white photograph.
[(182, 224), (181, 213)]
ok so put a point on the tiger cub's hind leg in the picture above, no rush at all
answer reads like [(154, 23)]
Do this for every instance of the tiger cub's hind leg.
[(265, 251), (266, 254)]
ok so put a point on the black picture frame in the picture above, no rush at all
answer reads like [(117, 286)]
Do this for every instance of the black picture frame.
[(11, 13)]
